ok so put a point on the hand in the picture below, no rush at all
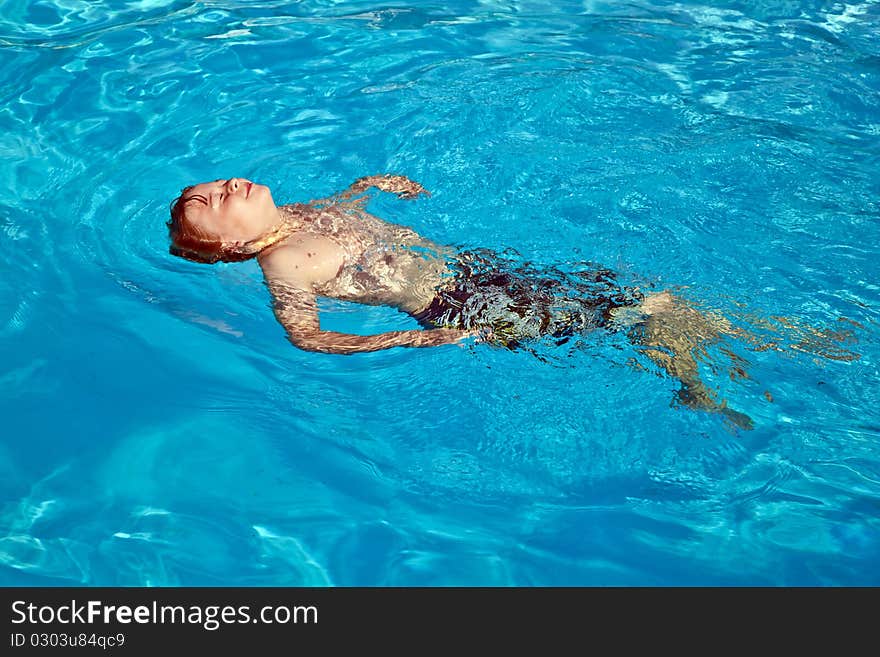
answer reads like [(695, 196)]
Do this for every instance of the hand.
[(402, 186), (435, 337), (409, 189)]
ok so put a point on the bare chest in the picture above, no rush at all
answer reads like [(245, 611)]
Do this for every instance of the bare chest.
[(357, 257), (306, 260)]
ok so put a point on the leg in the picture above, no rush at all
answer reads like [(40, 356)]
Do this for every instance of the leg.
[(674, 336)]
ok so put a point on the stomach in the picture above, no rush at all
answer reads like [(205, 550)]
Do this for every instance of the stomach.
[(387, 276)]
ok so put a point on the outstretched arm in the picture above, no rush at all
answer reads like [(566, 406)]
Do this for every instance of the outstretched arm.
[(401, 185), (297, 311)]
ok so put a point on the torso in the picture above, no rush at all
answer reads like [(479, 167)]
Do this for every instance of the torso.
[(346, 253)]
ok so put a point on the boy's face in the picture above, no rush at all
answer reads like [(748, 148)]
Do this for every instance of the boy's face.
[(234, 210)]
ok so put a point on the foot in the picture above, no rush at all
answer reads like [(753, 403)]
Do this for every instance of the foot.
[(699, 399), (738, 419)]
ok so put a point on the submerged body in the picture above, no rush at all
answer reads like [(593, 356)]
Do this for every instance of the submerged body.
[(342, 252), (334, 248), (345, 253)]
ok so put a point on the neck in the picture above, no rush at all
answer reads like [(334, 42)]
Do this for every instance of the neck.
[(289, 222)]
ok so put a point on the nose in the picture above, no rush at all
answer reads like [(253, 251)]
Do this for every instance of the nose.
[(233, 184)]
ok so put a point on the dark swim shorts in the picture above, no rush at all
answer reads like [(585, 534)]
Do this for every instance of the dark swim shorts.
[(519, 303)]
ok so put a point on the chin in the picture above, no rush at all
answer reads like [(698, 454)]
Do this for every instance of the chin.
[(263, 192)]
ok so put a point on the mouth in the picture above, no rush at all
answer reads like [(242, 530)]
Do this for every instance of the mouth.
[(248, 192)]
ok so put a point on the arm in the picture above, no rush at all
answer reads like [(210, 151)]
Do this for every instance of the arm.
[(297, 311), (400, 185)]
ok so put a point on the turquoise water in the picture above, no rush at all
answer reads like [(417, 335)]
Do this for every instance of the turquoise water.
[(158, 428)]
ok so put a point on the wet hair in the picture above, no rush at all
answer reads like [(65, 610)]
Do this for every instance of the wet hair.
[(195, 244)]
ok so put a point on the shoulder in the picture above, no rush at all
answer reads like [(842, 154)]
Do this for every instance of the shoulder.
[(303, 260)]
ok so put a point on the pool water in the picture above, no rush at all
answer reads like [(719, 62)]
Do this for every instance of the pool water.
[(159, 429)]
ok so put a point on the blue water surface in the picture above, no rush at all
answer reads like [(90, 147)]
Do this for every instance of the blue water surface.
[(159, 430)]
